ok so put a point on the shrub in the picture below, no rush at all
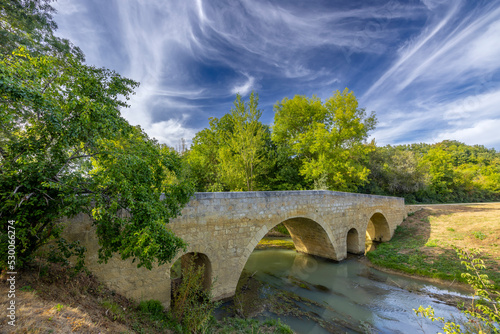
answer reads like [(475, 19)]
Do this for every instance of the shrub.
[(113, 310), (483, 314), (192, 303), (153, 307), (479, 235)]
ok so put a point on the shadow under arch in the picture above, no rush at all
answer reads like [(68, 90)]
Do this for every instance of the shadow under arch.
[(182, 263), (378, 228), (310, 237), (353, 242)]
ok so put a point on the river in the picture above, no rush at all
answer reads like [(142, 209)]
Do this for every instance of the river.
[(313, 295)]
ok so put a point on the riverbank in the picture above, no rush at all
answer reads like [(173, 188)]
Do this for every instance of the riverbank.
[(277, 242), (423, 244), (49, 299)]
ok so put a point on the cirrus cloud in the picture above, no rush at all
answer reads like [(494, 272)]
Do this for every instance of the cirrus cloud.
[(410, 61)]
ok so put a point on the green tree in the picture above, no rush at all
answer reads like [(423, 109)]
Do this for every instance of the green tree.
[(280, 168), (395, 171), (294, 117), (64, 148), (29, 23), (203, 156), (229, 154), (329, 138), (137, 186), (490, 177), (440, 170)]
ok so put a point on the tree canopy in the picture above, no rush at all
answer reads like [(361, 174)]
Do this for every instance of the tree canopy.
[(229, 154), (29, 23), (448, 171), (316, 144)]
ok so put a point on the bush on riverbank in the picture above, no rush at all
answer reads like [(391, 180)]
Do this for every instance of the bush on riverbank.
[(192, 304)]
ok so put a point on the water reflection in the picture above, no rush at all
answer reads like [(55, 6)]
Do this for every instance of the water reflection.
[(331, 297)]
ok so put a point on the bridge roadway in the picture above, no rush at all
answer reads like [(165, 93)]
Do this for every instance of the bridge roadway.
[(224, 228)]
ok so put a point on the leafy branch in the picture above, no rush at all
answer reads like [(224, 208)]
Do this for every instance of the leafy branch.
[(483, 315)]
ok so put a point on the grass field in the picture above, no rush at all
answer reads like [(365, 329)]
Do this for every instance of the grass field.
[(423, 243), (282, 243)]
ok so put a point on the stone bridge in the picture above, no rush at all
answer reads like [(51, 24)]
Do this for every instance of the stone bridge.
[(224, 228)]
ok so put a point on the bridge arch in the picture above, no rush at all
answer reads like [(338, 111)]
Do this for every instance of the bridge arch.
[(377, 228), (308, 235)]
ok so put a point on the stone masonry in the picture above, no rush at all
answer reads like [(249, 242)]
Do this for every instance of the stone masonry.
[(226, 227)]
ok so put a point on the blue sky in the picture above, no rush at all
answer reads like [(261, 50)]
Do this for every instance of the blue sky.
[(430, 69)]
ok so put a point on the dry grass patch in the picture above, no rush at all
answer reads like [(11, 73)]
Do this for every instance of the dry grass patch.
[(464, 226), (49, 300), (423, 243)]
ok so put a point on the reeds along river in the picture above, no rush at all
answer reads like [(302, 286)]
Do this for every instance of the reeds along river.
[(313, 295)]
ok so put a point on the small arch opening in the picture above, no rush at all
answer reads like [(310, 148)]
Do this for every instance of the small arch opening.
[(178, 271), (377, 231), (353, 241)]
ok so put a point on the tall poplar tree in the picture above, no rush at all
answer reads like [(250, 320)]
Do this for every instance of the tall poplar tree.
[(229, 154), (244, 149)]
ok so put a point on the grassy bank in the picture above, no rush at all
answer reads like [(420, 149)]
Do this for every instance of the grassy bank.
[(272, 242), (422, 245), (50, 300)]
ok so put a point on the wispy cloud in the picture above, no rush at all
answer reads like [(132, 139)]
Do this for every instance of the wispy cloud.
[(245, 88), (411, 59), (193, 56), (443, 81)]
